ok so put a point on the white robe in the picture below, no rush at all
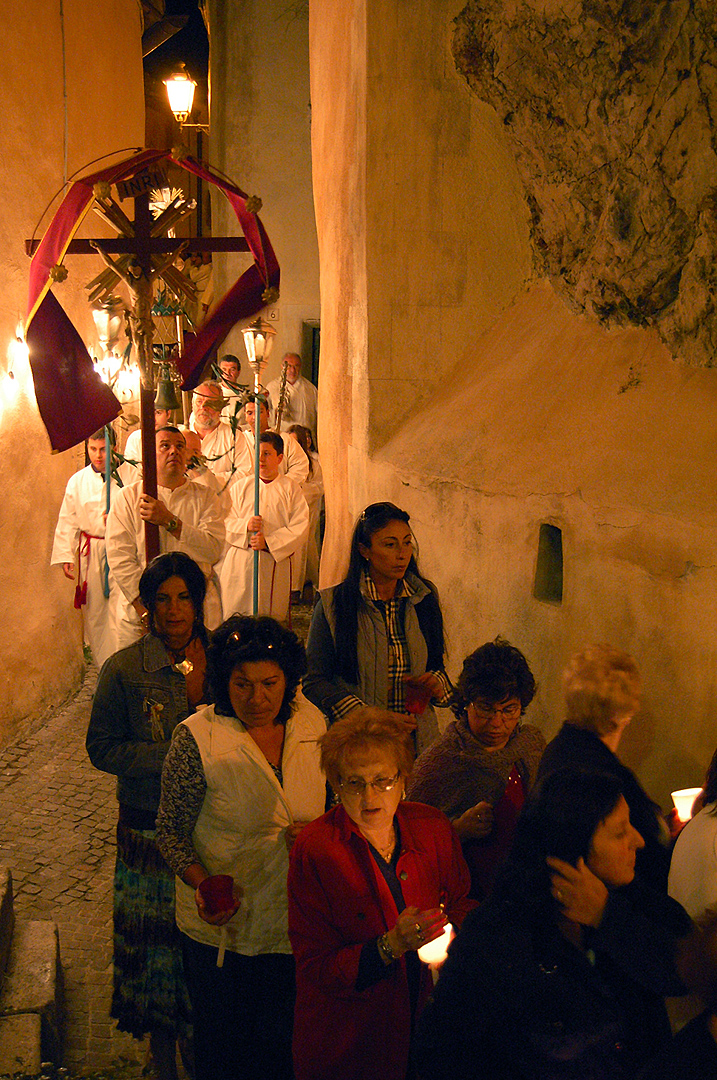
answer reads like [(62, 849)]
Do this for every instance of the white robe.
[(133, 451), (219, 445), (81, 512), (285, 517), (294, 463), (307, 560), (300, 403), (202, 537)]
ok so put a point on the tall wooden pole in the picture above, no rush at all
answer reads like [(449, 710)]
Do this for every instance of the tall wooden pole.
[(144, 335)]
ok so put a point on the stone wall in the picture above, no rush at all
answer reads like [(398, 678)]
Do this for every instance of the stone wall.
[(260, 137), (609, 108), (44, 133), (490, 399)]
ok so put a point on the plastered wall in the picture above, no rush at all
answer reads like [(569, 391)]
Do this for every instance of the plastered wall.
[(485, 406), (260, 137), (58, 114)]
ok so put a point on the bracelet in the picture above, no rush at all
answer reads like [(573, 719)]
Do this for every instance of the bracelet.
[(172, 525), (384, 947)]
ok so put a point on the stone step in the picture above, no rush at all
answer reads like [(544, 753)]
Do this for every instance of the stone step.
[(20, 1042), (33, 984), (7, 916)]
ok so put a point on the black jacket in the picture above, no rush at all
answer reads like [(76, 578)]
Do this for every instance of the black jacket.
[(575, 746), (517, 1001)]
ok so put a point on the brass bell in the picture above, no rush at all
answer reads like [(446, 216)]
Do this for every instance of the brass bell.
[(166, 396)]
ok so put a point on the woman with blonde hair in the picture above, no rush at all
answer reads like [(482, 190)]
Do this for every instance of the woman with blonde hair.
[(602, 688)]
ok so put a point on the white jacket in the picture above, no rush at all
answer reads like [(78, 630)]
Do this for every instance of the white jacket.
[(240, 829)]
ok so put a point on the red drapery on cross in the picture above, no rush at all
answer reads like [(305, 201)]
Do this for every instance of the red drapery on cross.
[(72, 399)]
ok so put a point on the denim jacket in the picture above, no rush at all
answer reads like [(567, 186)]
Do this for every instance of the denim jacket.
[(139, 700)]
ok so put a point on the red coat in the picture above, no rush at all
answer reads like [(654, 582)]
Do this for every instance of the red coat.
[(338, 900)]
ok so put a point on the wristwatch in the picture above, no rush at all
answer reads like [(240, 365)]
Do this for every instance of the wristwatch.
[(172, 525)]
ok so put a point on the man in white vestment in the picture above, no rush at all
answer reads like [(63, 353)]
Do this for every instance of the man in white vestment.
[(300, 397), (218, 445), (277, 533), (294, 462), (190, 519), (133, 448), (80, 546), (229, 367)]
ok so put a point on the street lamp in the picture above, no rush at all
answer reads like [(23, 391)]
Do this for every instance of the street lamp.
[(180, 91)]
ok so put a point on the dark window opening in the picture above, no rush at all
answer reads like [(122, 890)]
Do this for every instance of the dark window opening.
[(549, 568)]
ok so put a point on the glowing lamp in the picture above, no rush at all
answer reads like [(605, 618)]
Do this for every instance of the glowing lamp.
[(435, 952), (683, 801), (258, 342), (180, 91)]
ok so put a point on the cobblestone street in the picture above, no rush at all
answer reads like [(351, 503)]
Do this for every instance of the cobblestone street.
[(57, 822)]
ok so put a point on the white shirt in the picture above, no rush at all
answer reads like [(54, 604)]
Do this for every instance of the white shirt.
[(300, 403), (201, 538)]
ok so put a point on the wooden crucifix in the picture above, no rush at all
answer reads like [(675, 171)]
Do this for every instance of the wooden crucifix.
[(145, 252)]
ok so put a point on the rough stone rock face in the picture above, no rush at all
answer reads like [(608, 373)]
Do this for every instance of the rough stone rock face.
[(612, 111)]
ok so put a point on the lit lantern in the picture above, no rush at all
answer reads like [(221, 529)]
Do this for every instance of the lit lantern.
[(180, 91), (258, 342)]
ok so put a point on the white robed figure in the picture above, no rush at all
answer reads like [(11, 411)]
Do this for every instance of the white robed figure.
[(79, 546), (277, 533)]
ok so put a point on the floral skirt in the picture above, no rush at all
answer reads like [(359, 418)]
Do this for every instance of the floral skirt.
[(149, 990)]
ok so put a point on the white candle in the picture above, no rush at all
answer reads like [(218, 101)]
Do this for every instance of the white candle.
[(683, 801), (434, 952)]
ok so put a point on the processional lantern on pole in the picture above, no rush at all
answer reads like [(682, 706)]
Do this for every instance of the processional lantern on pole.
[(258, 342)]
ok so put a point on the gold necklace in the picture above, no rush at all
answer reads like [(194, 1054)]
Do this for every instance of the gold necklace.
[(387, 852)]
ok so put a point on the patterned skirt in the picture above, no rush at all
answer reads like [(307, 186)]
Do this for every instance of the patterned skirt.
[(149, 989)]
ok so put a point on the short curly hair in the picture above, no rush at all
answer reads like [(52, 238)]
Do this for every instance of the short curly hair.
[(494, 672), (246, 639), (601, 683), (358, 734)]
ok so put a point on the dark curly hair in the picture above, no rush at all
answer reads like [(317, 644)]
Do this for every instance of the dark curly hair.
[(245, 639), (164, 567), (494, 672)]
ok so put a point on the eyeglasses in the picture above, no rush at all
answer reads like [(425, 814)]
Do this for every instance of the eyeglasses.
[(357, 786), (505, 712)]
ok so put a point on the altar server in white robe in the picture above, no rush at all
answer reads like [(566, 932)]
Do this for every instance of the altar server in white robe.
[(79, 546), (190, 518), (294, 462), (277, 533)]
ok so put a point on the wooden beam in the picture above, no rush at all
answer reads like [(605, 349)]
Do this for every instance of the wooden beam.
[(156, 245)]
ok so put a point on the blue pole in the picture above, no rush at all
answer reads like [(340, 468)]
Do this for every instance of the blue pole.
[(257, 432), (108, 481)]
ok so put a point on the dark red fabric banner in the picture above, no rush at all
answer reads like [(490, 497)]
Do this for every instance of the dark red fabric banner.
[(56, 385), (72, 399)]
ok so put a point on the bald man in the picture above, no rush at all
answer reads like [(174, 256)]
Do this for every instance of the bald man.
[(300, 398)]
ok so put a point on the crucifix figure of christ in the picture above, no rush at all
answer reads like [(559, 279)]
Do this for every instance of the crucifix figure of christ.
[(143, 253)]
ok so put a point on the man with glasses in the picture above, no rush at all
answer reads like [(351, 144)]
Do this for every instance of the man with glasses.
[(218, 444)]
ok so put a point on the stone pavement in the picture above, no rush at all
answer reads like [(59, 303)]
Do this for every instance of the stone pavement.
[(57, 822), (58, 816)]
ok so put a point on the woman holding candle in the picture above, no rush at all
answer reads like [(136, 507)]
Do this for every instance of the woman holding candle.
[(376, 640), (480, 770), (602, 689), (241, 779), (561, 973), (369, 883)]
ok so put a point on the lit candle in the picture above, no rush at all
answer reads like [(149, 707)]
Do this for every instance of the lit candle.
[(435, 952), (683, 801)]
